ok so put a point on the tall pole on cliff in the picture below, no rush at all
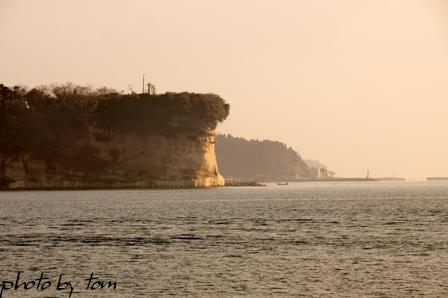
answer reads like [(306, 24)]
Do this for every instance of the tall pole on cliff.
[(143, 86)]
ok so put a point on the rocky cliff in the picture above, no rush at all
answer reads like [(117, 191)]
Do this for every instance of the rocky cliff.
[(133, 161), (108, 140)]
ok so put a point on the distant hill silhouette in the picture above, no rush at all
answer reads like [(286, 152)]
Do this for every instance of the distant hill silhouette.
[(265, 160)]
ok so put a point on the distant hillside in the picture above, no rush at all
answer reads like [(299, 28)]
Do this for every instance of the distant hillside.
[(265, 160)]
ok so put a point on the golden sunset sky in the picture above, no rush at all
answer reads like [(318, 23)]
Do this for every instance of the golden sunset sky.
[(357, 84)]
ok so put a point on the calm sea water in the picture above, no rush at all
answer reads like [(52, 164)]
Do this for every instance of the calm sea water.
[(310, 240)]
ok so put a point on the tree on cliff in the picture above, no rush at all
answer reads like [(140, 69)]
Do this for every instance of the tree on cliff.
[(11, 140), (45, 126), (165, 114)]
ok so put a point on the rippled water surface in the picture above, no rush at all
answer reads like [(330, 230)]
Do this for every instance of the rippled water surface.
[(310, 240)]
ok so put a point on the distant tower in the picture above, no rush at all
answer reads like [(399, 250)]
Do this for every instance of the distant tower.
[(143, 85), (368, 174)]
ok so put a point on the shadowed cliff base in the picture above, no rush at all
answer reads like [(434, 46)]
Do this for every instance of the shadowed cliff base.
[(73, 137)]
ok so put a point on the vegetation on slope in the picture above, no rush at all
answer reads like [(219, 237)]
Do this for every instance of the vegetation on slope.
[(265, 160)]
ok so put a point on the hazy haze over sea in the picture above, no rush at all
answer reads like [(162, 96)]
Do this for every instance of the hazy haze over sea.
[(310, 239)]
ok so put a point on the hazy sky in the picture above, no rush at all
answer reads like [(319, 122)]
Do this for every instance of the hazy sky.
[(357, 84)]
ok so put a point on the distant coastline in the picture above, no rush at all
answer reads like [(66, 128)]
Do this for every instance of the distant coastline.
[(437, 179), (349, 179)]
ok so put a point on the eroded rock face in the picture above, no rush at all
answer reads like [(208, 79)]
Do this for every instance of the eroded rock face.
[(129, 161)]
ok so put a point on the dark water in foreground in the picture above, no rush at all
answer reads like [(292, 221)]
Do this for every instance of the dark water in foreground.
[(310, 240)]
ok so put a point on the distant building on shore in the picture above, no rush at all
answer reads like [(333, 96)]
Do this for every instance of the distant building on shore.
[(317, 170)]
